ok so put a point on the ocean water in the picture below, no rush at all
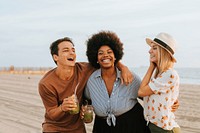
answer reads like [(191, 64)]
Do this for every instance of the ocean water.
[(187, 75)]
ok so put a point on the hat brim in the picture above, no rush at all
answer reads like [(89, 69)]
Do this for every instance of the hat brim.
[(150, 41)]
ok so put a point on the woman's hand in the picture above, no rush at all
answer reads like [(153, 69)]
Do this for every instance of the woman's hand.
[(175, 106), (82, 112), (152, 65)]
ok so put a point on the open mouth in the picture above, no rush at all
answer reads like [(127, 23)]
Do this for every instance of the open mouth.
[(70, 59), (106, 60), (151, 56)]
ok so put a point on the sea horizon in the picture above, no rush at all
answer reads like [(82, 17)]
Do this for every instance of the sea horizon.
[(188, 75)]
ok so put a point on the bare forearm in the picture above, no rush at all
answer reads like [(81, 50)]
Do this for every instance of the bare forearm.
[(147, 77), (144, 89)]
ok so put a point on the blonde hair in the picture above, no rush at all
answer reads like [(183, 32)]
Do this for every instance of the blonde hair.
[(165, 61)]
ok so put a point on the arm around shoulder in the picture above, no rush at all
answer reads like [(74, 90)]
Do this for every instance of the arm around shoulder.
[(126, 74)]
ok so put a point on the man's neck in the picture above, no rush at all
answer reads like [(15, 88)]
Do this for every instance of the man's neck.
[(65, 73)]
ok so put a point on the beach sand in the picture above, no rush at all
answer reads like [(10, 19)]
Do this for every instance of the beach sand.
[(22, 111)]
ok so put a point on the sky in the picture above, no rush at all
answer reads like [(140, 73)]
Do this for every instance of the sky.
[(28, 27)]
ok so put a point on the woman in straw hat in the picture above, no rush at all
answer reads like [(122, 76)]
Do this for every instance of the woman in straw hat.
[(161, 90)]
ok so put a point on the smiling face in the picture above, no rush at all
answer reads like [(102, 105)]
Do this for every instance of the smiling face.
[(154, 53), (106, 57), (66, 54)]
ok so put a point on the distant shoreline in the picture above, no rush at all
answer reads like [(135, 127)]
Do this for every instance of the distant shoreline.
[(187, 75), (25, 72)]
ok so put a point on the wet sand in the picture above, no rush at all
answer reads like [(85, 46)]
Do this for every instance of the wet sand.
[(21, 109)]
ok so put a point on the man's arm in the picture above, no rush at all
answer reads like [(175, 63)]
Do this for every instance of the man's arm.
[(56, 112), (126, 74)]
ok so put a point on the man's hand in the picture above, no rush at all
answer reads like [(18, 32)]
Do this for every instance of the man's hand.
[(126, 76), (68, 104)]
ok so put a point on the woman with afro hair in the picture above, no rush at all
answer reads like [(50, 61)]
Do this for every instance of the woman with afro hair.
[(115, 104)]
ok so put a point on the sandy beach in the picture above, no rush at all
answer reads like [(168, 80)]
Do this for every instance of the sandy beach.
[(21, 109)]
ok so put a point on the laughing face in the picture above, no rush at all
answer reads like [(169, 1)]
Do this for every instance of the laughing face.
[(154, 53), (106, 57), (66, 54)]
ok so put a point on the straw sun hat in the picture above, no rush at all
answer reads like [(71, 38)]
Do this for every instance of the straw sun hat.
[(166, 41)]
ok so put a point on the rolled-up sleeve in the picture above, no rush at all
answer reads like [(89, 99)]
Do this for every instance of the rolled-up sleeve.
[(163, 83)]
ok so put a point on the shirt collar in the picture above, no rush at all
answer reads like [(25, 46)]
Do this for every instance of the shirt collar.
[(98, 74)]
